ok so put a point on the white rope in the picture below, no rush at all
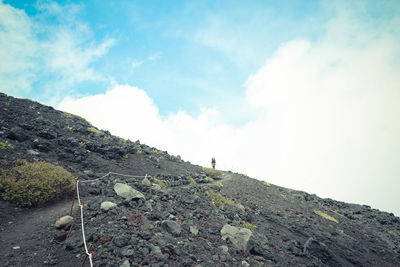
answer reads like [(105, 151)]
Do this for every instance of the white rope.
[(134, 176), (97, 179), (82, 225), (81, 205), (120, 174)]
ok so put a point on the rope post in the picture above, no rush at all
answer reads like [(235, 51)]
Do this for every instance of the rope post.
[(73, 199), (90, 254), (73, 223)]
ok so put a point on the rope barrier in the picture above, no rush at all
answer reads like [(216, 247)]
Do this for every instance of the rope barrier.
[(89, 253)]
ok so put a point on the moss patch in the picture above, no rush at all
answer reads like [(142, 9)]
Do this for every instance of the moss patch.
[(248, 225), (94, 130), (163, 184), (72, 116), (6, 146), (325, 216), (267, 184)]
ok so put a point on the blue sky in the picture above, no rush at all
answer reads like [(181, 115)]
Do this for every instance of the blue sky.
[(303, 94), (186, 54)]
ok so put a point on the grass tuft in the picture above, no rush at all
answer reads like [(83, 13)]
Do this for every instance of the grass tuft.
[(218, 200), (267, 184), (191, 180), (325, 216), (248, 225), (215, 174), (163, 184), (73, 116), (6, 146), (94, 130)]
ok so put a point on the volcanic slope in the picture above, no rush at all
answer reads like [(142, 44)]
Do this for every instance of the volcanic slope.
[(179, 216)]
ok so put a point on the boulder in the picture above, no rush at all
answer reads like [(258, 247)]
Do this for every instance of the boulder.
[(239, 236), (127, 192)]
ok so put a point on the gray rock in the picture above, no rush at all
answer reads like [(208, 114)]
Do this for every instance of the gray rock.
[(17, 133), (156, 187), (126, 263), (127, 192), (259, 245), (172, 227), (146, 182), (63, 221), (106, 205), (121, 240), (47, 134), (127, 251), (156, 250), (245, 264), (194, 230), (239, 236), (33, 152), (224, 248)]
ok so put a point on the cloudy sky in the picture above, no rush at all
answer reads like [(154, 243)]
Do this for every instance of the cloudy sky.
[(303, 94)]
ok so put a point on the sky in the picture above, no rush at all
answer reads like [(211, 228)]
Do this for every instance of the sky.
[(302, 94)]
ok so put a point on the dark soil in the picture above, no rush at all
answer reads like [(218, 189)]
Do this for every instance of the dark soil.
[(180, 225)]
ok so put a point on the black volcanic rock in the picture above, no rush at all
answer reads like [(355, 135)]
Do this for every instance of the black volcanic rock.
[(179, 220)]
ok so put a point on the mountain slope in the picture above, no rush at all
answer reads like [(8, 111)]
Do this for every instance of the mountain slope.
[(193, 221)]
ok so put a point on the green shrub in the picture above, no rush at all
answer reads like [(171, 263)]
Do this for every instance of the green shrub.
[(267, 184), (32, 184), (6, 146), (215, 174)]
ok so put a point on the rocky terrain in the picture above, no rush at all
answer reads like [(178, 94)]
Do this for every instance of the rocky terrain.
[(177, 215)]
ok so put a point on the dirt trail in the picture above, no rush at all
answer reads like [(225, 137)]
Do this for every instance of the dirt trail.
[(24, 235)]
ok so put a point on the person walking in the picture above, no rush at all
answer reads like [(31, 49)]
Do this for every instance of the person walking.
[(213, 162)]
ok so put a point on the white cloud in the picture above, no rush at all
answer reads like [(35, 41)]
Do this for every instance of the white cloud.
[(152, 57), (18, 50), (332, 105), (57, 55), (327, 123)]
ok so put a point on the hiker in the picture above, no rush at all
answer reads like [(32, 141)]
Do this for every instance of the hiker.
[(213, 162)]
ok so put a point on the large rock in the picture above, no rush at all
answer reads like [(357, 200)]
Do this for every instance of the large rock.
[(127, 192), (239, 236)]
